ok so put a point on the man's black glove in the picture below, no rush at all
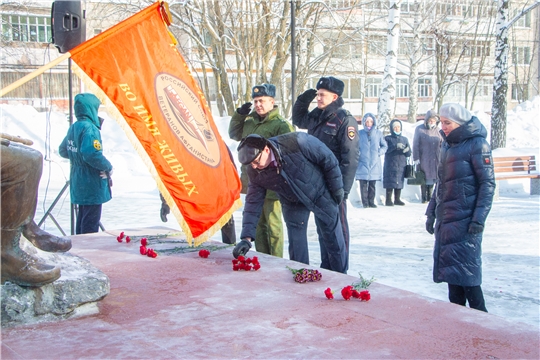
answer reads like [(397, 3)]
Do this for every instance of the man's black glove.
[(429, 224), (244, 109), (307, 96), (338, 195), (475, 228), (241, 248)]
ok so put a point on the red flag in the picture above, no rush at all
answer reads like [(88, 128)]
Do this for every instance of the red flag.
[(137, 66)]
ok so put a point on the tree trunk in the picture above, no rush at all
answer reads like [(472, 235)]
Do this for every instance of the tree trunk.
[(387, 100), (500, 85)]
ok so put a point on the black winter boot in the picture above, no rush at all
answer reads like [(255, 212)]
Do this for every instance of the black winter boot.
[(429, 192), (364, 193), (389, 197), (423, 190), (397, 194)]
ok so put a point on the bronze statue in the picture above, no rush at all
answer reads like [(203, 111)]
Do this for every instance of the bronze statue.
[(21, 169)]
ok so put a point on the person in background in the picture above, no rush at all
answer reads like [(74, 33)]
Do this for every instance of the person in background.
[(90, 175), (305, 175), (457, 212), (337, 129), (395, 160), (264, 120), (426, 149), (369, 171)]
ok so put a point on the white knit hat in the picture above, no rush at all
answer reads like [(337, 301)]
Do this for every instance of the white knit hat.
[(455, 112)]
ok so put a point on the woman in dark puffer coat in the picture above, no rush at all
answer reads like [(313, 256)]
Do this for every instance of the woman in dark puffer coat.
[(395, 160), (460, 205)]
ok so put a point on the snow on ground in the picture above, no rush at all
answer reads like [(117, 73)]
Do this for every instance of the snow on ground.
[(387, 243)]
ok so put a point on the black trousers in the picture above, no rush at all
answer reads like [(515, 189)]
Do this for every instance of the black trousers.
[(367, 192), (461, 294), (88, 218)]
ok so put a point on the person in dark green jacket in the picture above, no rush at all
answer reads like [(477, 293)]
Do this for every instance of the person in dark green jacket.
[(90, 176), (266, 121)]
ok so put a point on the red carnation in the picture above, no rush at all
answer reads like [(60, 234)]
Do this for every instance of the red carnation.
[(241, 258), (256, 266), (121, 235), (128, 239), (143, 241), (204, 253), (365, 295), (346, 292), (119, 239), (329, 293), (355, 294), (143, 250), (255, 260)]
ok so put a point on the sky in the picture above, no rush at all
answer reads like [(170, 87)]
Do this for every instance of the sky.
[(389, 244)]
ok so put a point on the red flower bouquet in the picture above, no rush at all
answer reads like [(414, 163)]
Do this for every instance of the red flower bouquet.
[(305, 275), (243, 263)]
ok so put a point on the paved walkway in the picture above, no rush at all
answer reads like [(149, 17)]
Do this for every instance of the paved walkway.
[(180, 305)]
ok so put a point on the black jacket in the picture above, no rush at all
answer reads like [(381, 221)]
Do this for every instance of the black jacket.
[(395, 159), (307, 168), (464, 193), (336, 128)]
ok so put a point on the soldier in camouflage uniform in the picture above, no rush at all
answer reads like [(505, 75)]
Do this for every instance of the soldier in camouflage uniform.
[(266, 121)]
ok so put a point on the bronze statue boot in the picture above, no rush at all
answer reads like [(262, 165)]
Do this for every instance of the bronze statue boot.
[(43, 240), (19, 267)]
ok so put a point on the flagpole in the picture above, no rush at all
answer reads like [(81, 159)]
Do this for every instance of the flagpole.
[(34, 74)]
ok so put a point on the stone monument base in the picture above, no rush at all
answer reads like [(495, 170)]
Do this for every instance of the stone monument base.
[(75, 293)]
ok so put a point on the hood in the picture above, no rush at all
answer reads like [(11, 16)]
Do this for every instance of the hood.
[(86, 108), (430, 114), (472, 128), (392, 127), (367, 116)]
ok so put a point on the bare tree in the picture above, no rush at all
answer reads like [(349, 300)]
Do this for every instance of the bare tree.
[(387, 99), (500, 85)]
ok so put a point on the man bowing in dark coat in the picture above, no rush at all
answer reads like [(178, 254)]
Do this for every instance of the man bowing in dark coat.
[(305, 175)]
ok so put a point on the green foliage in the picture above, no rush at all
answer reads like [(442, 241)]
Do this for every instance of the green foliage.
[(363, 283)]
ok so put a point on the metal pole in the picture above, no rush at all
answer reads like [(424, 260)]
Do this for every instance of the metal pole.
[(293, 52), (70, 95)]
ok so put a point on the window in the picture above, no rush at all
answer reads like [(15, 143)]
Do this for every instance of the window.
[(455, 90), (407, 6), (484, 87), (373, 87), (341, 4), (478, 48), (404, 45), (523, 21), (377, 45), (520, 92), (356, 89), (424, 87), (521, 55), (26, 28), (402, 88)]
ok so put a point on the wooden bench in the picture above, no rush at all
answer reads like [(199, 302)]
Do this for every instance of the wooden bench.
[(517, 167)]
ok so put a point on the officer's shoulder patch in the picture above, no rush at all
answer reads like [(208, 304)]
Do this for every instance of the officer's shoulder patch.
[(351, 132), (97, 145)]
